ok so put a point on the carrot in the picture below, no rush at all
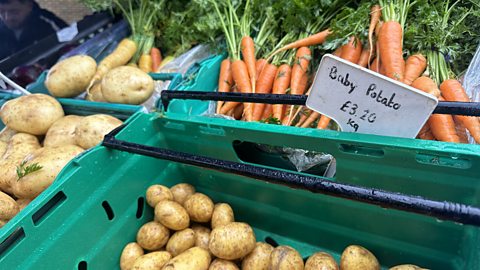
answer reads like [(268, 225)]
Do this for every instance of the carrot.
[(391, 49), (238, 111), (382, 69), (225, 80), (240, 77), (352, 50), (260, 64), (375, 66), (312, 40), (414, 68), (299, 70), (156, 57), (264, 86), (268, 111), (311, 118), (443, 127), (304, 114), (248, 53), (375, 14), (427, 85), (338, 51), (363, 61), (426, 133), (145, 63), (323, 122), (287, 121), (280, 85), (452, 90)]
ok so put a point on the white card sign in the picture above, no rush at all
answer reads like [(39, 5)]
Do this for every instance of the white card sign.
[(362, 101)]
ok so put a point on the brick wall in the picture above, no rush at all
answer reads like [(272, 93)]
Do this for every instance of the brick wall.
[(69, 10)]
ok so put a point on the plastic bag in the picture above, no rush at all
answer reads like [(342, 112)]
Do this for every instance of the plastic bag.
[(471, 83)]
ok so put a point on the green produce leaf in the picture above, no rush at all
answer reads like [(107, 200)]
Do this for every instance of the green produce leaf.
[(23, 170)]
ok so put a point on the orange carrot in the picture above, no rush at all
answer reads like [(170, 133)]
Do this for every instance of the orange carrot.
[(248, 53), (414, 68), (299, 70), (304, 114), (156, 57), (426, 85), (238, 111), (391, 49), (240, 77), (375, 14), (264, 86), (315, 39), (260, 64), (452, 90), (268, 111), (225, 80), (426, 133), (363, 61), (352, 50), (323, 122), (443, 127), (280, 86), (375, 66), (311, 118), (338, 51)]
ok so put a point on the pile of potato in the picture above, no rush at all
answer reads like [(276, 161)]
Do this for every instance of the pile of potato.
[(37, 142), (190, 232)]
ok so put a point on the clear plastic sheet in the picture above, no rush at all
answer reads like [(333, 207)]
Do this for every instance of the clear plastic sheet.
[(471, 83)]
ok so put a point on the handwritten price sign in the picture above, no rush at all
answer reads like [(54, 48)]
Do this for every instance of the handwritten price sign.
[(362, 101)]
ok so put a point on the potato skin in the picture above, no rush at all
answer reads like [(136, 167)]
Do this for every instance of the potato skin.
[(357, 257), (259, 258), (130, 253), (172, 215), (407, 267), (194, 258), (91, 129), (95, 93), (222, 215), (152, 236), (22, 203), (151, 261), (285, 258), (199, 207), (219, 264), (6, 134), (127, 85), (8, 207), (181, 192), (181, 241), (157, 193), (62, 132), (232, 241), (33, 114), (70, 77), (202, 236), (321, 260)]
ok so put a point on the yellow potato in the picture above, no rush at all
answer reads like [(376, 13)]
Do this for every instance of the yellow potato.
[(202, 236), (219, 264), (199, 207), (157, 193), (3, 223), (3, 147), (130, 253), (232, 241), (70, 77), (358, 258), (62, 132), (33, 114), (194, 258), (8, 207), (91, 129), (407, 267), (127, 85), (181, 241), (95, 93), (222, 215), (152, 236), (6, 134), (182, 192), (286, 258), (152, 261), (22, 203), (321, 260), (172, 215), (259, 258)]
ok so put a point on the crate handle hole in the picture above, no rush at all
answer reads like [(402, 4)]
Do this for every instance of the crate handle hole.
[(82, 265), (14, 238), (140, 207), (108, 209), (271, 241), (39, 216)]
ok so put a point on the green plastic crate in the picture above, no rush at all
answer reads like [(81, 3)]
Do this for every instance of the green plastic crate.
[(97, 204)]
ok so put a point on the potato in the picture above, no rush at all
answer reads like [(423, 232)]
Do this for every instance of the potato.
[(407, 267), (157, 193), (91, 129), (356, 258), (181, 241), (199, 207), (3, 148), (95, 93), (152, 261), (181, 192), (259, 258), (194, 258), (3, 223), (232, 241), (70, 77), (62, 132), (6, 134), (52, 160), (219, 264), (172, 215), (321, 260), (33, 114), (222, 215), (8, 207), (152, 236), (22, 203), (285, 258), (130, 253), (202, 236), (127, 85)]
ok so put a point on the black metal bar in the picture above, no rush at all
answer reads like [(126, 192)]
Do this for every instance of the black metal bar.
[(443, 107), (461, 213)]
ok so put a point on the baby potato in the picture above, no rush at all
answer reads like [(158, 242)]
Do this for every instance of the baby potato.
[(22, 203), (358, 258), (8, 207), (172, 215), (407, 267), (199, 207), (259, 258), (181, 192), (181, 241), (222, 215), (130, 253), (62, 132), (232, 241), (194, 258), (152, 236), (219, 264), (151, 261), (285, 258), (202, 236), (321, 260), (157, 193)]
